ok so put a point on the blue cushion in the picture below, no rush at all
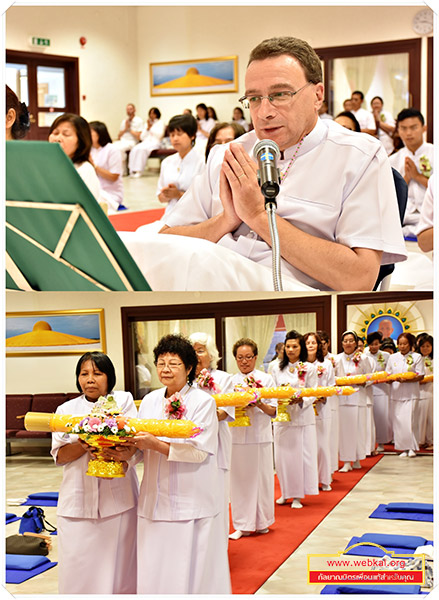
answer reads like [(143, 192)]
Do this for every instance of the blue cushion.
[(24, 562), (411, 542), (381, 512), (415, 507), (43, 496)]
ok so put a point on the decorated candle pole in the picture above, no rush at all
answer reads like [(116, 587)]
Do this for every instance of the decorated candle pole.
[(104, 427)]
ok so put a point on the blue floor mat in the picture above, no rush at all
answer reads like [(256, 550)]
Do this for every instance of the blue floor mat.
[(400, 544), (42, 499), (21, 567), (409, 511), (10, 518)]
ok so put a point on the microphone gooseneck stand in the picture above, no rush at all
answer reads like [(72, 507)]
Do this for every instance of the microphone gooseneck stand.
[(270, 208)]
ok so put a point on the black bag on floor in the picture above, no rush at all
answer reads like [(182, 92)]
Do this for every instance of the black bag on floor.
[(26, 544)]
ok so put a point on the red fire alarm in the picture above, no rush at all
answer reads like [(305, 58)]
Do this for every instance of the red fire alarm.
[(83, 41)]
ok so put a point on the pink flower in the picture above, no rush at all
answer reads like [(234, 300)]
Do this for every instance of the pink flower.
[(206, 380), (251, 382), (175, 409)]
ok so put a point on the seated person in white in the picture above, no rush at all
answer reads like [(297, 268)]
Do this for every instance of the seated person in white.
[(178, 170), (363, 116), (150, 138), (129, 133), (326, 242), (72, 132), (106, 159), (238, 117), (425, 227), (205, 126), (384, 123), (414, 162)]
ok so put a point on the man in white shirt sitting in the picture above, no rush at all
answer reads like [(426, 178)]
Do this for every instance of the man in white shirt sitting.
[(337, 210), (363, 116), (414, 162), (130, 130)]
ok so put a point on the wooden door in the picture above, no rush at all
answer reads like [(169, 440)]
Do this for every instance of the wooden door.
[(47, 83)]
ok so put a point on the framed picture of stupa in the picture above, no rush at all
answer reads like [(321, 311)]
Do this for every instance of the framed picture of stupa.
[(55, 332), (200, 76)]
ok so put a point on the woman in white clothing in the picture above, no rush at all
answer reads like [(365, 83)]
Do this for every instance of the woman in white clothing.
[(252, 474), (381, 399), (213, 381), (72, 132), (295, 441), (150, 138), (322, 408), (333, 402), (238, 117), (425, 349), (353, 408), (96, 518), (178, 170), (181, 543), (404, 394), (205, 124), (107, 161)]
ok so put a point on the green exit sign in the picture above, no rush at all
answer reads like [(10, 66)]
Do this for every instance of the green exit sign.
[(37, 41)]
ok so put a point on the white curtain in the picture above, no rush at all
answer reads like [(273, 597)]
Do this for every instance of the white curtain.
[(259, 328), (301, 322)]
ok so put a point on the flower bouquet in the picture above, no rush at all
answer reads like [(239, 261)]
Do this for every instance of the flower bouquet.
[(104, 427)]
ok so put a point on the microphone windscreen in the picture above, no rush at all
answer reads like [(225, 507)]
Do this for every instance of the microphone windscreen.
[(266, 144)]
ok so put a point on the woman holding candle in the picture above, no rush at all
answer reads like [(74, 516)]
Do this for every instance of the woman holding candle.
[(295, 441), (179, 513), (404, 395), (213, 381), (96, 517)]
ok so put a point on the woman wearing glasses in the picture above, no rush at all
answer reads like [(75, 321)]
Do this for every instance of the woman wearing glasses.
[(252, 475), (213, 381), (181, 545)]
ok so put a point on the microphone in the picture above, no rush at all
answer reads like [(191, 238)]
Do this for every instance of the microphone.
[(266, 152)]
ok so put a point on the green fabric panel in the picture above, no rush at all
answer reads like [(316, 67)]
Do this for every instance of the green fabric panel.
[(84, 252), (41, 271), (29, 220), (10, 284), (41, 172)]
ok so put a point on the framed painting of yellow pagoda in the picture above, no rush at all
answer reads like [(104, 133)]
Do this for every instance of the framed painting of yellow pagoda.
[(200, 76), (55, 332)]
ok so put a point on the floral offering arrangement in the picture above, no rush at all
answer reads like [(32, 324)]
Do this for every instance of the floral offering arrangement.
[(320, 370), (104, 419), (205, 380), (175, 409), (407, 375), (356, 358), (301, 371)]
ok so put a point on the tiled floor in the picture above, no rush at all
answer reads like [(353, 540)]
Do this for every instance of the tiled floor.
[(392, 479)]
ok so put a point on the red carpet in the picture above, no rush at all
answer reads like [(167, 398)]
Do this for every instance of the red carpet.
[(390, 448), (253, 559), (130, 221)]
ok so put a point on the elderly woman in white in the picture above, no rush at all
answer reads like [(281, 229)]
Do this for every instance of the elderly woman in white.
[(213, 381), (181, 544)]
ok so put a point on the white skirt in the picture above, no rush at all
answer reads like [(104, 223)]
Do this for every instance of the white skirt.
[(403, 412), (98, 556), (335, 434), (323, 429), (295, 452), (252, 486), (182, 557), (353, 433), (381, 415)]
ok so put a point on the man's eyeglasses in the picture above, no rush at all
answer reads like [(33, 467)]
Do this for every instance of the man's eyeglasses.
[(243, 358), (277, 99)]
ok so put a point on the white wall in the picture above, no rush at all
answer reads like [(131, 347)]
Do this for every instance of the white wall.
[(122, 41), (46, 374)]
